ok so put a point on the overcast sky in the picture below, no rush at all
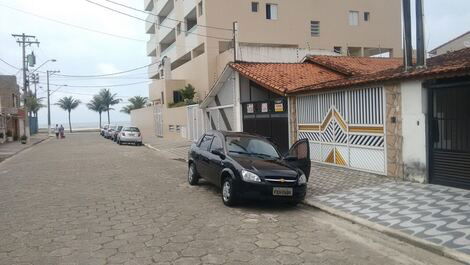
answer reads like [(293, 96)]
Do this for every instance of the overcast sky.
[(80, 52)]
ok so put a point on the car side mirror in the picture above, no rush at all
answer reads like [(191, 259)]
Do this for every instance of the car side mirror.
[(218, 153), (290, 158)]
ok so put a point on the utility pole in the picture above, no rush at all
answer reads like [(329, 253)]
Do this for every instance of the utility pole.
[(49, 101), (25, 40), (235, 41), (408, 48), (420, 46), (35, 81)]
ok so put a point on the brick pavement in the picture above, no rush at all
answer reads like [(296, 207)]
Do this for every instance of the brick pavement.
[(9, 149), (86, 200)]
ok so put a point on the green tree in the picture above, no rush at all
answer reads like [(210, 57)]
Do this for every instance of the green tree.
[(136, 102), (188, 93), (33, 103), (108, 100), (96, 105), (68, 104)]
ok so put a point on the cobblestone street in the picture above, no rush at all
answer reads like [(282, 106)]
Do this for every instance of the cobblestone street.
[(86, 200)]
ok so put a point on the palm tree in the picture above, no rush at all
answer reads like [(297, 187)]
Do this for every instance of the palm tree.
[(33, 103), (137, 102), (108, 100), (68, 104), (96, 105)]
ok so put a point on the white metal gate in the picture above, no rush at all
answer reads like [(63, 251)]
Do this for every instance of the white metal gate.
[(158, 120), (345, 128), (195, 123)]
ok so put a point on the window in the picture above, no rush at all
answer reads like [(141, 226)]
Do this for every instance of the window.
[(315, 28), (199, 9), (353, 18), (217, 144), (177, 97), (271, 11), (254, 7), (338, 49), (178, 29), (366, 16), (205, 142)]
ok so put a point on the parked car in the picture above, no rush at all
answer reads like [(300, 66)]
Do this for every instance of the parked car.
[(105, 128), (248, 166), (115, 132), (130, 135), (107, 133)]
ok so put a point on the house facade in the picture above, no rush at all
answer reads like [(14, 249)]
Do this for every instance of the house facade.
[(191, 41), (10, 112), (365, 114)]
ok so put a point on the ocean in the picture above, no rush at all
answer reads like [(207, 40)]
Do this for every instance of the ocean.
[(86, 125)]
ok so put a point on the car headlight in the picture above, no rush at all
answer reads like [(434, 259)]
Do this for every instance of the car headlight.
[(250, 177), (302, 179)]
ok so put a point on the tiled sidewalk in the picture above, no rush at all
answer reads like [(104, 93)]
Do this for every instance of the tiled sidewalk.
[(8, 149), (437, 216)]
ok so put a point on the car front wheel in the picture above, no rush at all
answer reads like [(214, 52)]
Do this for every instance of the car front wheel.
[(228, 192), (193, 178)]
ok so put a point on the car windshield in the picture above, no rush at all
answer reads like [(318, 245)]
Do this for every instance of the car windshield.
[(119, 128), (251, 146), (131, 129)]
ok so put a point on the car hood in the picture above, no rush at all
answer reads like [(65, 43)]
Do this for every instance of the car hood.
[(264, 167)]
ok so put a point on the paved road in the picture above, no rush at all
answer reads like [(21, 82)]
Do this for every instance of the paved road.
[(85, 200)]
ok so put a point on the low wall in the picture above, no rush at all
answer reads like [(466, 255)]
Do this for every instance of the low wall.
[(144, 119)]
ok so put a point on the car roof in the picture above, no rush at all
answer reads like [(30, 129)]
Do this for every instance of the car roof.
[(235, 134)]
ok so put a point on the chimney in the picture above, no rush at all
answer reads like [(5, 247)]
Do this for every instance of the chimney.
[(421, 49), (408, 48)]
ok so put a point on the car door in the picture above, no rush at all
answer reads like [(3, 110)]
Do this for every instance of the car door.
[(299, 156), (215, 160), (202, 160)]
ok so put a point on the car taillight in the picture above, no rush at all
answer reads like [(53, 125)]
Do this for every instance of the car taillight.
[(138, 134), (123, 134)]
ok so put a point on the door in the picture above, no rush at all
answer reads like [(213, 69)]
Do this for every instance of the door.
[(202, 161), (215, 161), (450, 136), (299, 156)]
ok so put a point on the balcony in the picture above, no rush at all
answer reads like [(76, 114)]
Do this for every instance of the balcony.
[(189, 5), (148, 5), (152, 45), (163, 8), (153, 69), (150, 24), (167, 24)]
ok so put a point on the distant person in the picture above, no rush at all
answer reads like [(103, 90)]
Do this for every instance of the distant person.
[(61, 131), (56, 131)]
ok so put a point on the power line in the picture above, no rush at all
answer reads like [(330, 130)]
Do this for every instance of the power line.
[(72, 25), (138, 18), (150, 13), (7, 63), (103, 75), (100, 86)]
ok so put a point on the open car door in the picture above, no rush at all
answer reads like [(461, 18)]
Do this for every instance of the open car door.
[(299, 156)]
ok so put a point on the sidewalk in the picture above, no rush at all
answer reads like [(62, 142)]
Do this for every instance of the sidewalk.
[(8, 149), (433, 217)]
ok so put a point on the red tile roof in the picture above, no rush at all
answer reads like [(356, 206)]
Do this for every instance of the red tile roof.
[(447, 65), (356, 65), (281, 78)]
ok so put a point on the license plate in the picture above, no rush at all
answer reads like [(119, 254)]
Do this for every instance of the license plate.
[(283, 192), (131, 134)]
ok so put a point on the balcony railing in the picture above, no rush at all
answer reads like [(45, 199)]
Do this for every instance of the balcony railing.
[(148, 4), (152, 45)]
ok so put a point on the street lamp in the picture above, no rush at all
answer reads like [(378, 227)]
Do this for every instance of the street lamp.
[(49, 101), (50, 60)]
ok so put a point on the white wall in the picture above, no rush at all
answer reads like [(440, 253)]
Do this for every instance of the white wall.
[(414, 104)]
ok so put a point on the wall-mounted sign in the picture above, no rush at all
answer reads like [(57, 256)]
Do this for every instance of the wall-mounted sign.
[(250, 108), (264, 107), (278, 106)]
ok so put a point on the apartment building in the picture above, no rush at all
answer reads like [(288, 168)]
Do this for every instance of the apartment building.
[(191, 40)]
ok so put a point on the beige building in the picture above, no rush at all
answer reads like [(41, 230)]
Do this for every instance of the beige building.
[(458, 43), (191, 41), (9, 107)]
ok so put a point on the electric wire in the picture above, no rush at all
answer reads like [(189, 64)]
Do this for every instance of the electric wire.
[(98, 86), (150, 13), (72, 25), (138, 18), (7, 63)]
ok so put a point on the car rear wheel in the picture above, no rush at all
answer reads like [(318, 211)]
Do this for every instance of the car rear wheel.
[(193, 178), (228, 192)]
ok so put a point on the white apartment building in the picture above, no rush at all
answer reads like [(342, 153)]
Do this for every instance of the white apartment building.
[(191, 42)]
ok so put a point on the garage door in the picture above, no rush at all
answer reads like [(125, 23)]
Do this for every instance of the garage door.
[(450, 136)]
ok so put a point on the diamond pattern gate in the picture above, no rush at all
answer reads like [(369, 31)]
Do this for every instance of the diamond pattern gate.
[(345, 128)]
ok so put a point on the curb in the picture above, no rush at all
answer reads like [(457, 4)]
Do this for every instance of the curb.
[(421, 243)]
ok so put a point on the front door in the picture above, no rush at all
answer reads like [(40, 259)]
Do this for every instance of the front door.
[(299, 156), (449, 131)]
